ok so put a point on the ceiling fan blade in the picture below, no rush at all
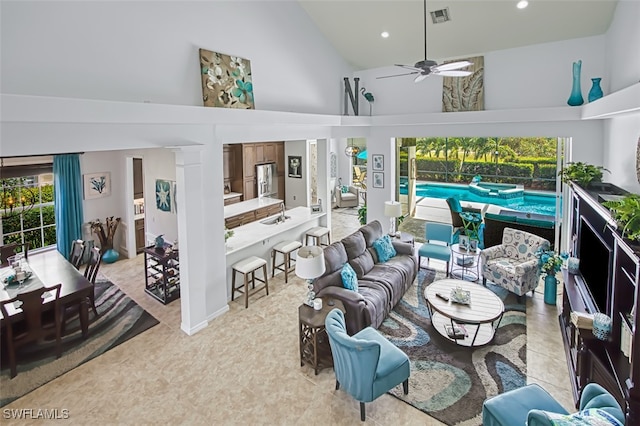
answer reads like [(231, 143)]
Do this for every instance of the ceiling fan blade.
[(396, 75), (453, 65), (420, 77), (452, 73), (409, 67)]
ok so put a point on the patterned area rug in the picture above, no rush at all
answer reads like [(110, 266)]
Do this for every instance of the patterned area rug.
[(120, 319), (451, 382)]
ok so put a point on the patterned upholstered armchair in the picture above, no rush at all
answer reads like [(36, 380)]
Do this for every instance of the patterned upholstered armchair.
[(513, 264)]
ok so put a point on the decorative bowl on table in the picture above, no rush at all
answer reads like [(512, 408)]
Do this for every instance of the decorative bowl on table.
[(461, 296)]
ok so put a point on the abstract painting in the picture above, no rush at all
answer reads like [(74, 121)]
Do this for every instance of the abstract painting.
[(163, 195), (465, 93), (226, 80), (96, 185)]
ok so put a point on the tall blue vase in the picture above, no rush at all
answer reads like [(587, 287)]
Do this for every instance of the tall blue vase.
[(596, 90), (576, 93), (110, 256), (550, 288)]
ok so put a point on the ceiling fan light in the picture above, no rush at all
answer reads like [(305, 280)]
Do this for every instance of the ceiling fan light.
[(420, 77), (522, 4), (384, 34)]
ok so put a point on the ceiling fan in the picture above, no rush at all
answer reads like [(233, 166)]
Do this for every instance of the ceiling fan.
[(428, 67)]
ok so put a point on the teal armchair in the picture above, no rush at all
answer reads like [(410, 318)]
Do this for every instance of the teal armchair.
[(366, 364), (534, 406)]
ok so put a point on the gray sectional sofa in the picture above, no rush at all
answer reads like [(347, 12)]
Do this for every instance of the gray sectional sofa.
[(380, 285)]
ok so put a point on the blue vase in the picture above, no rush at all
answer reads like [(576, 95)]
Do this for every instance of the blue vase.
[(576, 93), (550, 288), (110, 256), (596, 90)]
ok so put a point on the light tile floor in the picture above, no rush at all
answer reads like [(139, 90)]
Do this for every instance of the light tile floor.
[(244, 368)]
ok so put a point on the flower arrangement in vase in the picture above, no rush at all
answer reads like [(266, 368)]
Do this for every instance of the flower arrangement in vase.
[(550, 262)]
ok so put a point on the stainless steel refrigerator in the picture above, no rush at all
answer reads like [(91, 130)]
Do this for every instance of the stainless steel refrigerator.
[(267, 179)]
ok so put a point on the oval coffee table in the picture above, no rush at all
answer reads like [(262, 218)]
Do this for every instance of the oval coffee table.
[(481, 317)]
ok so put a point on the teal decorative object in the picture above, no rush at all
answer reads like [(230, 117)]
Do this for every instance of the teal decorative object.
[(159, 241), (576, 93), (110, 256), (550, 288), (596, 90)]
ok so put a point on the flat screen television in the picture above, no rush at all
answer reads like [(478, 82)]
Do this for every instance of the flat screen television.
[(595, 260)]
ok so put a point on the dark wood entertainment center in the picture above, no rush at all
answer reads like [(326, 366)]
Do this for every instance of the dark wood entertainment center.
[(608, 283)]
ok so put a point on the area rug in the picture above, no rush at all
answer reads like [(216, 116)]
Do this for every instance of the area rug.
[(451, 382), (119, 319)]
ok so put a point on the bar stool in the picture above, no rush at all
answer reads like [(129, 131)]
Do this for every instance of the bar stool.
[(285, 248), (316, 234), (248, 267)]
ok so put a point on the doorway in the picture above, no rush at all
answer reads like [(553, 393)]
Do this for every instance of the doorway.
[(138, 204)]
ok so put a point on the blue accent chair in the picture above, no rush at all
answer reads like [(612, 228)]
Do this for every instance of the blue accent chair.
[(366, 364), (441, 232), (534, 406)]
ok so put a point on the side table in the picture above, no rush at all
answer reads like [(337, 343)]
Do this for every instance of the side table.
[(406, 237), (465, 263), (314, 342)]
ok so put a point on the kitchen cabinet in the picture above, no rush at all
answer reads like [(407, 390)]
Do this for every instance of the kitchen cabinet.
[(249, 161), (252, 216), (140, 237), (138, 180), (228, 163), (249, 189), (232, 200), (259, 153)]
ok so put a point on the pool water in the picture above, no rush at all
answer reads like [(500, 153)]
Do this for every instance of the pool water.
[(531, 202)]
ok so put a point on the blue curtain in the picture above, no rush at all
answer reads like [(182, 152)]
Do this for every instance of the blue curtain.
[(68, 200)]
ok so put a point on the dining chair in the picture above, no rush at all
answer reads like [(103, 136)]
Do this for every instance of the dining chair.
[(91, 272), (438, 238), (8, 250), (33, 326), (77, 253)]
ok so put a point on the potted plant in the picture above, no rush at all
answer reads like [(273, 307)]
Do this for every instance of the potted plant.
[(582, 173), (228, 233), (362, 215), (626, 213)]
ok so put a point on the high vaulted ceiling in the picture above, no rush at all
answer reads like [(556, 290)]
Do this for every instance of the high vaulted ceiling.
[(477, 26)]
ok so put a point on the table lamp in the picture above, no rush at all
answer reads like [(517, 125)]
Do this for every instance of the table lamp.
[(393, 210), (309, 266)]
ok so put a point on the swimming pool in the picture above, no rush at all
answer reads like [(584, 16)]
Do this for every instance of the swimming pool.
[(531, 202)]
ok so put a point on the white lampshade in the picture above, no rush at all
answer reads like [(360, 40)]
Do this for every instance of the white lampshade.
[(310, 262), (392, 209)]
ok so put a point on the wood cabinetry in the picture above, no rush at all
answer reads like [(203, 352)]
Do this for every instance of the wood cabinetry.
[(140, 236), (138, 179), (228, 163), (252, 216), (608, 283), (232, 200), (260, 153)]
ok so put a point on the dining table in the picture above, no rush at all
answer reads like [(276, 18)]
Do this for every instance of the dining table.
[(50, 268)]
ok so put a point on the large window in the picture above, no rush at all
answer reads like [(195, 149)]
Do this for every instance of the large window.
[(525, 161), (27, 210)]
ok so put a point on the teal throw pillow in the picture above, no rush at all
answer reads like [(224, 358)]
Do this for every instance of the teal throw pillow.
[(349, 278), (344, 189), (589, 417), (384, 248)]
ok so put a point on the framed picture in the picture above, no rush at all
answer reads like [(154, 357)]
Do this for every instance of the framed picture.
[(226, 80), (378, 180), (164, 190), (316, 208), (463, 242), (473, 245), (96, 185), (378, 162), (295, 166)]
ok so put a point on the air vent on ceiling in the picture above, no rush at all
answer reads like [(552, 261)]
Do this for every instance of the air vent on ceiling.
[(440, 16)]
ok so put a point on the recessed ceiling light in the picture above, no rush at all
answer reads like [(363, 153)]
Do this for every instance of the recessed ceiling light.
[(384, 34), (522, 4)]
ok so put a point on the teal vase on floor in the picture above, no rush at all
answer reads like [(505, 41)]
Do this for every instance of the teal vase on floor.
[(596, 90), (550, 288), (576, 92), (110, 256)]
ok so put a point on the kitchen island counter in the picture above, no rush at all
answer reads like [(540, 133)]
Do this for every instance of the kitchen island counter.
[(249, 205)]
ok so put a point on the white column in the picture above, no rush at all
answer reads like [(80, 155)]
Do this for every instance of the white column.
[(191, 238), (377, 196), (324, 191)]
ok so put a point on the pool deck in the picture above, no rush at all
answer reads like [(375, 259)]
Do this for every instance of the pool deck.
[(437, 209)]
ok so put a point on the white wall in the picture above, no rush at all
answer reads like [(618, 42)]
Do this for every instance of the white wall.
[(157, 164), (622, 134), (298, 191), (526, 77), (148, 51)]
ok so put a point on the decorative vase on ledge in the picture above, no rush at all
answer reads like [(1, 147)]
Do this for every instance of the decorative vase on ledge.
[(550, 288), (596, 90), (576, 93)]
